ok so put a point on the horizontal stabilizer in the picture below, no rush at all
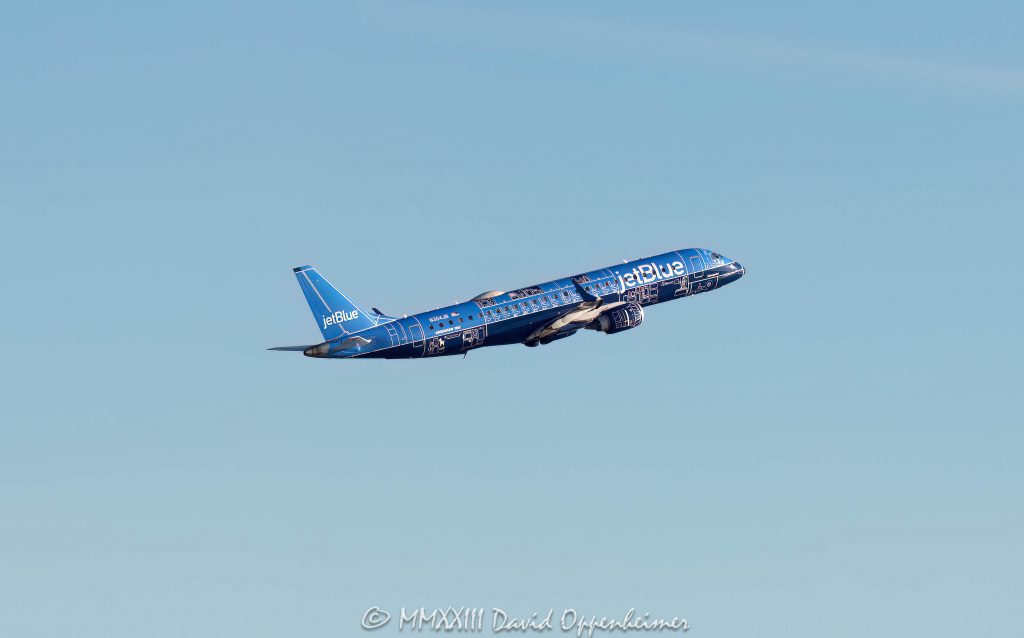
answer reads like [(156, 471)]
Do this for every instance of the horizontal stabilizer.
[(291, 348)]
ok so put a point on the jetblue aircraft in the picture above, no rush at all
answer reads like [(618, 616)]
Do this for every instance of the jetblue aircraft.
[(609, 300)]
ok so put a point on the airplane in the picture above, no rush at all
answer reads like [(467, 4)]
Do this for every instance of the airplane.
[(609, 300)]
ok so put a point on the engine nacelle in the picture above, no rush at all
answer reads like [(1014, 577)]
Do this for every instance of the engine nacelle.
[(622, 318)]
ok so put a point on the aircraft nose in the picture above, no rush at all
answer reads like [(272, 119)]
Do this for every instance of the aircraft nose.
[(734, 271)]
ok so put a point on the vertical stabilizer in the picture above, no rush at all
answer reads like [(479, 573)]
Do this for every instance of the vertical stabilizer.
[(336, 314)]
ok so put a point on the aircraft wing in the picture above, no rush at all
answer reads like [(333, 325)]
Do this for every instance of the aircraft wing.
[(575, 317)]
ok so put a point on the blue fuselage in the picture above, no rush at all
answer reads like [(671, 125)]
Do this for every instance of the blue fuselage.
[(500, 318)]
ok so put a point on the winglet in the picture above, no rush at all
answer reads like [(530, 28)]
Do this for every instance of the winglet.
[(586, 296)]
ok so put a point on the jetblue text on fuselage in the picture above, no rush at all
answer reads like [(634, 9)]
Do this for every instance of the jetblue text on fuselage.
[(646, 273)]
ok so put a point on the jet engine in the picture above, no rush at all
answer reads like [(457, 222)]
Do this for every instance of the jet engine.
[(622, 318)]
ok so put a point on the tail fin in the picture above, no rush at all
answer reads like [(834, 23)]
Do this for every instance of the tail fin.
[(336, 314)]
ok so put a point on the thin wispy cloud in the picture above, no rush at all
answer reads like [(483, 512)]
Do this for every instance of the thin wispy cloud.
[(669, 45)]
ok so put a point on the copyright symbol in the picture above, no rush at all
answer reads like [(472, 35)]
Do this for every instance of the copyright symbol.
[(375, 618)]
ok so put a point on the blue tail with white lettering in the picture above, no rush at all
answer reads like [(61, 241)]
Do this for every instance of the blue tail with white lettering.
[(336, 314)]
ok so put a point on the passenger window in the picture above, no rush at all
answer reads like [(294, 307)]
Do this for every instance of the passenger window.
[(450, 322), (471, 317), (431, 326), (460, 319)]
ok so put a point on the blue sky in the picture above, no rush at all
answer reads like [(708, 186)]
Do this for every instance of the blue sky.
[(831, 445)]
